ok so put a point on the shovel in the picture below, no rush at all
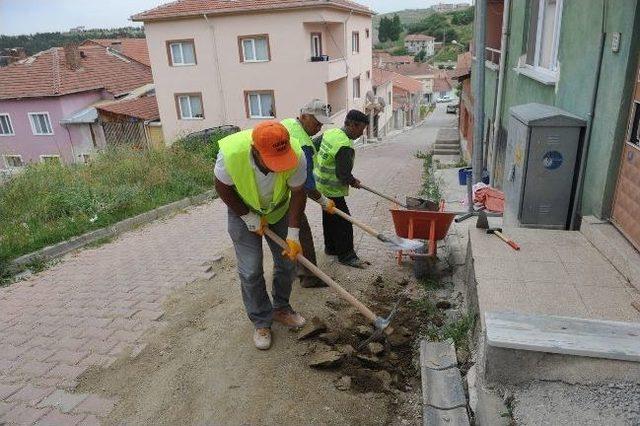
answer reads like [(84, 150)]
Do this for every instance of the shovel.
[(379, 194), (380, 323), (393, 242)]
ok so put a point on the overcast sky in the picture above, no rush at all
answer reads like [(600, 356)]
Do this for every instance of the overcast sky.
[(31, 16)]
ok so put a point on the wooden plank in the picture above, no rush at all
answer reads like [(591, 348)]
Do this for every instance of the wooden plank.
[(564, 335)]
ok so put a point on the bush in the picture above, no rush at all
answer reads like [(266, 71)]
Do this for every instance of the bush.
[(49, 203), (205, 142), (399, 51)]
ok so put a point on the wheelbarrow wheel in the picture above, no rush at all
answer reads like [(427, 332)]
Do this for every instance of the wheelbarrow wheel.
[(422, 266)]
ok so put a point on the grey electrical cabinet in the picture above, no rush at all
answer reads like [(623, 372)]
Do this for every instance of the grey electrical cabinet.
[(541, 165)]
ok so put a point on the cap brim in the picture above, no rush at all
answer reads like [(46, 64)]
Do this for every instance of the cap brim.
[(323, 119), (281, 163)]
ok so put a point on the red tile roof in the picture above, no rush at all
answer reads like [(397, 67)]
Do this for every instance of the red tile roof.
[(400, 81), (185, 8), (463, 66), (46, 74), (133, 48), (145, 108), (398, 59), (418, 37), (379, 78), (441, 85)]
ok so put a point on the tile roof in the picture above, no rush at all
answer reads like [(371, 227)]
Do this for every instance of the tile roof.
[(463, 66), (132, 48), (184, 8), (145, 108), (399, 59), (400, 81), (418, 37), (441, 85), (47, 74)]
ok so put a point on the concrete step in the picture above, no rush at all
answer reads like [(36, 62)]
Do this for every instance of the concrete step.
[(564, 335), (446, 151), (448, 142)]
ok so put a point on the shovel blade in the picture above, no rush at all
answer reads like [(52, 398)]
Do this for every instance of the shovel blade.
[(398, 243)]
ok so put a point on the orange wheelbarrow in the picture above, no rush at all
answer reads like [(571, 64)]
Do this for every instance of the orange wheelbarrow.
[(431, 226)]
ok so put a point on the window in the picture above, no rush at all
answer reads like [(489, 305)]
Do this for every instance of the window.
[(260, 104), (634, 131), (366, 33), (355, 42), (13, 161), (316, 45), (181, 53), (544, 34), (189, 106), (356, 88), (50, 159), (6, 129), (368, 75), (254, 48), (40, 123), (390, 98)]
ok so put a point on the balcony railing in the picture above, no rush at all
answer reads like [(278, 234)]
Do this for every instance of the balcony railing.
[(492, 55)]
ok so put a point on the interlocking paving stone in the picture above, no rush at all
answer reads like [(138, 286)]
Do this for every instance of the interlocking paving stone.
[(62, 400)]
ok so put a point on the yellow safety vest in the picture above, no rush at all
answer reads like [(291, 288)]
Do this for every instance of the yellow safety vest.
[(236, 152), (325, 168)]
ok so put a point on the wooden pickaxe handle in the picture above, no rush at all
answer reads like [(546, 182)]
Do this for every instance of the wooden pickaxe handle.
[(509, 241), (326, 279)]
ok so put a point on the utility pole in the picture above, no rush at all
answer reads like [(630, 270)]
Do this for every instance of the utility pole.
[(478, 90)]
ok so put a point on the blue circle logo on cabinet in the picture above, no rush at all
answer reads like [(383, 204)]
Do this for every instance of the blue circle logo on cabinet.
[(552, 160)]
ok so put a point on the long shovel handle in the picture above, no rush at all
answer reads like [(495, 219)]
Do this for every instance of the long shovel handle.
[(326, 279), (386, 197), (366, 228)]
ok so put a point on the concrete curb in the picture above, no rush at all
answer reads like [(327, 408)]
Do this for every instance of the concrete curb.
[(443, 398), (75, 243)]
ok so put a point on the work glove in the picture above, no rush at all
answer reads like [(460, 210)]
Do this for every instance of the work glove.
[(328, 205), (254, 222), (293, 244)]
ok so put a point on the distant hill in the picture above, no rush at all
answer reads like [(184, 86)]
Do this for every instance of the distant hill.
[(457, 25), (407, 17), (34, 43)]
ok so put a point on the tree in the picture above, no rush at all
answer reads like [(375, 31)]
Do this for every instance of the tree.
[(420, 57), (462, 17), (383, 29), (395, 28)]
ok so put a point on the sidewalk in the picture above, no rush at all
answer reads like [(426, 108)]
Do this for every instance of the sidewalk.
[(96, 307)]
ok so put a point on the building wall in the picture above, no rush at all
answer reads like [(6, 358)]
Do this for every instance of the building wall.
[(578, 57), (294, 79), (30, 146)]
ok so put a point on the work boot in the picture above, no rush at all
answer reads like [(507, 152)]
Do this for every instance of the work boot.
[(262, 338), (354, 261), (288, 317), (311, 282)]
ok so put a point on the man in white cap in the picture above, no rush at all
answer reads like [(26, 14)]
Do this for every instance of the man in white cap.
[(312, 117)]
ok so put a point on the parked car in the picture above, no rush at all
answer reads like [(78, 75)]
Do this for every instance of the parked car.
[(452, 109), (444, 99)]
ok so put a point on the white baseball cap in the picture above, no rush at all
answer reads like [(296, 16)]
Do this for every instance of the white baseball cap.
[(320, 110)]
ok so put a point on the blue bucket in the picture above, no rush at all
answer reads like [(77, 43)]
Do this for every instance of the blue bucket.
[(463, 174)]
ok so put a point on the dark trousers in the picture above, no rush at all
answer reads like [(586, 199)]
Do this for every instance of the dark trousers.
[(338, 233), (308, 248)]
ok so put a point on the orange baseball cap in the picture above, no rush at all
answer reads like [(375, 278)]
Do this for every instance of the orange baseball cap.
[(271, 140)]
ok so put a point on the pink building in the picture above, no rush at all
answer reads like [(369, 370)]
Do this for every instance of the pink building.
[(239, 62), (46, 99)]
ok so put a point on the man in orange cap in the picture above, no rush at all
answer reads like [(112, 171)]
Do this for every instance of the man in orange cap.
[(260, 176)]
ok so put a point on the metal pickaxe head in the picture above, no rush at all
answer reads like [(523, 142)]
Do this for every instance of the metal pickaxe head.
[(483, 221), (382, 324), (493, 230)]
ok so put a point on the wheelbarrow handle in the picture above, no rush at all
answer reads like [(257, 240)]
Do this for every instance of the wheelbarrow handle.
[(386, 197)]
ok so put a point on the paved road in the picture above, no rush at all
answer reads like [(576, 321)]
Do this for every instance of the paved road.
[(94, 306)]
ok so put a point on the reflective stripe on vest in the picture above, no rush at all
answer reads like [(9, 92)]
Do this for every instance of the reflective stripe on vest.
[(236, 152), (325, 169)]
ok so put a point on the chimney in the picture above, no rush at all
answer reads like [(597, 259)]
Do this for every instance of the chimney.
[(117, 46), (72, 56)]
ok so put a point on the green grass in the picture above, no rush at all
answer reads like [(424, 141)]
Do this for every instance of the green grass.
[(430, 183), (49, 203), (459, 331)]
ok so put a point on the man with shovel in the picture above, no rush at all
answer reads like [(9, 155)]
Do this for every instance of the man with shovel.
[(260, 176), (313, 116), (333, 176)]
